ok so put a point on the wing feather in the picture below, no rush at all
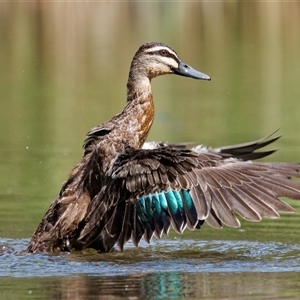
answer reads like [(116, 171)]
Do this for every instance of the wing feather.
[(148, 191), (222, 209)]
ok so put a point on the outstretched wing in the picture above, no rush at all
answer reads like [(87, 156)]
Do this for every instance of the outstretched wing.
[(244, 151), (149, 190)]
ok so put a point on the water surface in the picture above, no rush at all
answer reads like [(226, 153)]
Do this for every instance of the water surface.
[(173, 268)]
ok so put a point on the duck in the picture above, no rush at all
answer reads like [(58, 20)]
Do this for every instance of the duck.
[(125, 188)]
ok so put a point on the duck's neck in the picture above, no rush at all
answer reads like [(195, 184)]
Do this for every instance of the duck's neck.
[(139, 109)]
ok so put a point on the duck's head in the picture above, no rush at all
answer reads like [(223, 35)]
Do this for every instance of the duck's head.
[(154, 59)]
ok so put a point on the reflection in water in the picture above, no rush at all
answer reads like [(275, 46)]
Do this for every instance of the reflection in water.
[(159, 286), (178, 285), (182, 268), (147, 286)]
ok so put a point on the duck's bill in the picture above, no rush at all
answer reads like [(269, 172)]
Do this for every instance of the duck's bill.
[(185, 70)]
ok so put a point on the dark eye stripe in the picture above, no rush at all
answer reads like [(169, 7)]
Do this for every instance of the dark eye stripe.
[(166, 54)]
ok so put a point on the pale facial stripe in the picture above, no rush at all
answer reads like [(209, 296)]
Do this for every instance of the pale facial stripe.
[(169, 61), (158, 48)]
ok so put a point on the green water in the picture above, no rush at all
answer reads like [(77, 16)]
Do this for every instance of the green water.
[(64, 68)]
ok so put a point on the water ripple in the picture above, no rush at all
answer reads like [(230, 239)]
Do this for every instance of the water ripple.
[(162, 255)]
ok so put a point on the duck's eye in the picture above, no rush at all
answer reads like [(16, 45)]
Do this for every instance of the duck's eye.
[(163, 52), (102, 132)]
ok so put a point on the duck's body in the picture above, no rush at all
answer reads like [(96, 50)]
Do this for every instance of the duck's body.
[(120, 191)]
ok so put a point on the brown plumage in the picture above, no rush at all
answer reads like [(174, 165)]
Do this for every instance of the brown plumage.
[(125, 188)]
